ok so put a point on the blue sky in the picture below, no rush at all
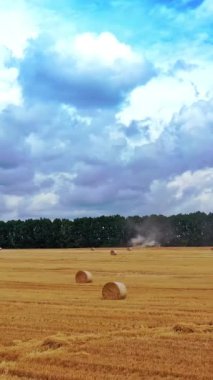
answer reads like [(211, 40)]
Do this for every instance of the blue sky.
[(106, 107)]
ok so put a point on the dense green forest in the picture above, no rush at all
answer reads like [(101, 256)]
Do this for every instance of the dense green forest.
[(195, 229)]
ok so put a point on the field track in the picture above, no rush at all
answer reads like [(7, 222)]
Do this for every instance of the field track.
[(54, 329)]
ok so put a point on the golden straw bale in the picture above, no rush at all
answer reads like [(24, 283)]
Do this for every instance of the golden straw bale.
[(114, 291), (83, 277), (113, 252)]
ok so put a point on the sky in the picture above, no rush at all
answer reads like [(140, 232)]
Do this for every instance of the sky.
[(106, 107)]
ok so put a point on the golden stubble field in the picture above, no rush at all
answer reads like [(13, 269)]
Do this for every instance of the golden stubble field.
[(54, 329)]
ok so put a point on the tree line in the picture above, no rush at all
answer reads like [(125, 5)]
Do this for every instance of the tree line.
[(194, 229)]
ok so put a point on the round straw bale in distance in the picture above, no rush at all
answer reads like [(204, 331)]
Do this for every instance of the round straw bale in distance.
[(113, 252), (114, 291), (129, 248), (93, 249), (83, 277)]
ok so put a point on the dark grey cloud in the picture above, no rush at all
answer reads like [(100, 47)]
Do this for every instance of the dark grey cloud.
[(60, 163), (11, 158), (140, 185)]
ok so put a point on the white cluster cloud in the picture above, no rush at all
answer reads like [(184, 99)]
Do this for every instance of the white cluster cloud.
[(184, 193), (10, 91), (103, 49), (156, 103), (18, 24)]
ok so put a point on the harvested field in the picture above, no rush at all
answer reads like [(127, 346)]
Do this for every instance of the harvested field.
[(52, 328)]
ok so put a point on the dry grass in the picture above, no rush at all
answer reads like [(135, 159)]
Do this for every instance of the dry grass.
[(54, 329)]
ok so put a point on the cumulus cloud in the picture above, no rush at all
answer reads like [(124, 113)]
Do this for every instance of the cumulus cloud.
[(86, 71), (10, 91), (18, 24), (187, 192), (155, 103)]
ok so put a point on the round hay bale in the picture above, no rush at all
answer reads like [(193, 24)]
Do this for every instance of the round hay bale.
[(114, 291), (113, 252), (83, 277), (92, 249), (129, 248)]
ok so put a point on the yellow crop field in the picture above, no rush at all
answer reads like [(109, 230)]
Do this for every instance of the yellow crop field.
[(52, 328)]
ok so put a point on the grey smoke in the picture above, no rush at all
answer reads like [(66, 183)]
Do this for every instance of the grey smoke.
[(144, 241), (150, 231)]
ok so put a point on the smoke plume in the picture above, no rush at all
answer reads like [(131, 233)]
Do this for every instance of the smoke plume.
[(150, 231), (143, 241)]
